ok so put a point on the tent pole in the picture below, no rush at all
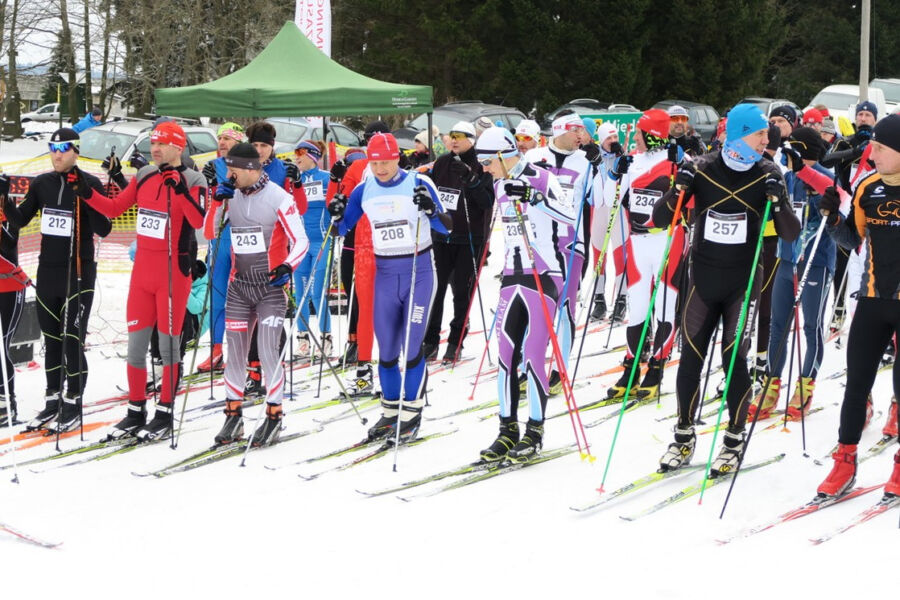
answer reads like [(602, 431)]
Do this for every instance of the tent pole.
[(431, 136), (325, 138)]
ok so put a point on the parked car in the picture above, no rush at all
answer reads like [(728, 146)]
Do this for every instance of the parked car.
[(449, 114), (767, 105), (702, 117), (48, 112), (582, 106), (891, 89), (842, 99), (128, 135), (289, 131)]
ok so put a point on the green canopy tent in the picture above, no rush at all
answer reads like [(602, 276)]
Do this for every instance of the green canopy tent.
[(293, 78)]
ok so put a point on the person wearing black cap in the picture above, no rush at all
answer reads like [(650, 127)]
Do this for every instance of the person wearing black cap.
[(92, 119), (66, 269), (468, 195), (785, 118), (806, 181), (873, 219), (260, 212)]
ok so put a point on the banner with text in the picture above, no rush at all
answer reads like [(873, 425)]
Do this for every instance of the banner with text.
[(313, 17)]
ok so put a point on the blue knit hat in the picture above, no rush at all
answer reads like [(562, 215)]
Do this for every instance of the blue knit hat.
[(869, 106), (591, 126), (743, 120)]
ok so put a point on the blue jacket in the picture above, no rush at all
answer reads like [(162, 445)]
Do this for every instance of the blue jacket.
[(86, 122)]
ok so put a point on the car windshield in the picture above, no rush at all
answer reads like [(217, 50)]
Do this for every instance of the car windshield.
[(835, 100), (444, 120), (97, 143), (891, 90), (289, 133)]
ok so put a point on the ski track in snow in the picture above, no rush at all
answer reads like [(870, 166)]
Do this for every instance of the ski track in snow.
[(143, 536)]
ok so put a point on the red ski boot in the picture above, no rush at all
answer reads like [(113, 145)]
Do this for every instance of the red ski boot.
[(843, 473)]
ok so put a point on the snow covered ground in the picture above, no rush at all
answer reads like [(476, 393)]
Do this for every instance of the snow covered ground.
[(225, 530)]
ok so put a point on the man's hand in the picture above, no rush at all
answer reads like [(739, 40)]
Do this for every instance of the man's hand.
[(424, 201), (337, 206), (280, 275)]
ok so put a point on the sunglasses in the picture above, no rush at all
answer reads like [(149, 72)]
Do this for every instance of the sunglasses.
[(301, 151), (62, 146), (679, 119), (574, 127), (458, 136), (524, 138), (486, 161)]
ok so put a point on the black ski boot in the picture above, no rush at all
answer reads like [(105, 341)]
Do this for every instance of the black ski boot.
[(253, 387), (523, 383), (652, 380), (599, 310), (430, 352), (351, 354), (69, 416), (555, 383), (158, 427), (233, 429), (619, 309), (506, 439), (8, 413), (134, 420), (49, 412), (530, 444), (617, 390), (270, 430), (410, 420)]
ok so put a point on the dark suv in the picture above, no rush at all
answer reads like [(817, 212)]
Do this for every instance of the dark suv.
[(702, 117), (448, 115)]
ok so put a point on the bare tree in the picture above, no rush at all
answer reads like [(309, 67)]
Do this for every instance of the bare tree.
[(68, 54)]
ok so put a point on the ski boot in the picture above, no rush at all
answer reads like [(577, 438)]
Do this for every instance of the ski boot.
[(410, 419), (729, 455), (215, 362), (843, 473), (617, 390), (134, 420), (892, 487), (9, 413), (430, 352), (351, 354), (530, 444), (506, 440), (890, 427), (159, 426), (69, 416), (327, 345), (652, 380), (762, 407), (870, 412), (555, 383), (837, 322), (523, 383), (233, 429), (803, 394), (48, 413), (304, 348), (619, 309), (361, 385), (253, 387), (599, 310), (450, 355), (759, 369), (270, 430), (681, 451)]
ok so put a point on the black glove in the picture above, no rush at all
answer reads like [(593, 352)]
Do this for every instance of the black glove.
[(684, 180), (775, 187), (592, 153), (338, 170), (424, 201), (621, 166), (173, 179), (616, 148), (280, 275), (795, 161), (112, 165), (138, 161), (337, 206), (522, 192), (459, 168), (862, 136), (829, 204), (4, 185), (292, 172), (76, 181), (209, 172)]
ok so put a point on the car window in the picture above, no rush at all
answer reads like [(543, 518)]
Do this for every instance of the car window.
[(143, 145), (713, 115), (513, 119), (289, 133), (345, 137), (97, 143), (47, 109), (202, 142), (444, 120), (697, 115)]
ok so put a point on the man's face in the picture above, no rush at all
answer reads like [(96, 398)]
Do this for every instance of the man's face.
[(864, 117), (265, 150), (498, 169), (678, 126), (225, 144), (639, 144), (609, 141), (757, 140), (828, 137), (887, 160), (783, 125), (165, 154), (244, 177), (525, 142), (459, 142), (63, 161), (569, 139), (385, 170)]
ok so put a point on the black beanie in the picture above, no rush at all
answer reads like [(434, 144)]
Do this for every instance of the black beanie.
[(808, 143), (65, 134), (243, 156), (887, 132), (375, 127), (786, 112), (774, 138)]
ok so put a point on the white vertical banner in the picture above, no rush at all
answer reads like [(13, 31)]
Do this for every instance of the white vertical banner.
[(313, 17)]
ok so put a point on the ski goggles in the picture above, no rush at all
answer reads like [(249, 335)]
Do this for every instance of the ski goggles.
[(456, 135), (524, 138), (63, 146), (679, 119)]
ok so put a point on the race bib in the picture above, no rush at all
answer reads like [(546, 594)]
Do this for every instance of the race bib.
[(568, 191), (56, 222), (512, 230), (313, 191), (449, 197), (798, 209), (725, 228), (392, 235), (643, 201), (151, 223), (247, 240)]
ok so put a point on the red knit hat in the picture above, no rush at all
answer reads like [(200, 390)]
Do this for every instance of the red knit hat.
[(383, 146), (169, 132), (655, 122), (813, 115)]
